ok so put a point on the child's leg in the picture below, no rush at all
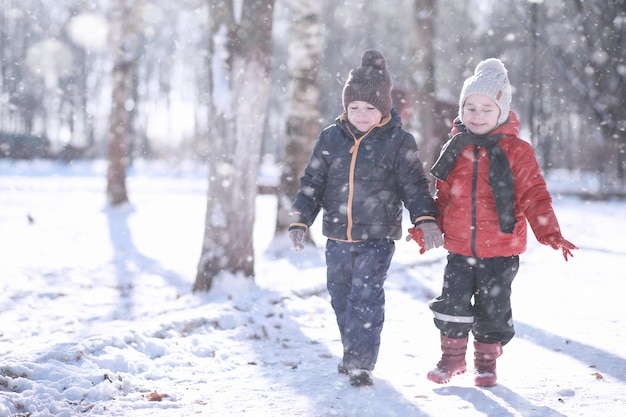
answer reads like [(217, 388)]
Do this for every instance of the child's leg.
[(359, 304), (492, 301), (454, 315), (339, 280), (494, 318)]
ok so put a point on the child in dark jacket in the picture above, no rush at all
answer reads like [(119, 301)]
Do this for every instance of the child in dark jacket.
[(488, 185), (363, 168)]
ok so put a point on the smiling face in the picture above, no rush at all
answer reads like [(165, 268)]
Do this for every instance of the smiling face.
[(363, 115), (480, 114)]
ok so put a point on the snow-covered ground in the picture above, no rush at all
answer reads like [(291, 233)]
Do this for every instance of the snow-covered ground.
[(97, 317)]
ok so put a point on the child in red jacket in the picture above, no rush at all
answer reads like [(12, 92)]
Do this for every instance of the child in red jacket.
[(488, 184)]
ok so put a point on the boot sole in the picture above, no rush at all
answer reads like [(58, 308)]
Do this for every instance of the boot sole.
[(443, 378), (487, 381)]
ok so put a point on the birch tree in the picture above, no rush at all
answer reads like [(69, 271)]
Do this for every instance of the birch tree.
[(240, 54), (303, 118)]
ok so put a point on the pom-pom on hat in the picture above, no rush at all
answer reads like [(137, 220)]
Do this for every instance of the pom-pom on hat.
[(371, 83), (490, 78)]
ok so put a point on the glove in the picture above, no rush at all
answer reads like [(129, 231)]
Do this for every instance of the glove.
[(559, 242), (427, 235), (432, 235), (296, 235)]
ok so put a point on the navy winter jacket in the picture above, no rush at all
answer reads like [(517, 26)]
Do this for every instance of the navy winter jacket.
[(362, 182)]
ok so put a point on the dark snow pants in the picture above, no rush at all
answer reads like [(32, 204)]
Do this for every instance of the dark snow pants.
[(356, 273), (488, 281)]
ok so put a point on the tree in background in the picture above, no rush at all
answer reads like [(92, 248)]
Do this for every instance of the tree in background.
[(126, 25), (577, 81), (569, 63), (240, 52), (423, 77), (303, 115), (594, 65), (87, 75)]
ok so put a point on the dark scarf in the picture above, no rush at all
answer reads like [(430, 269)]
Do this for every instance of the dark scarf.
[(500, 174)]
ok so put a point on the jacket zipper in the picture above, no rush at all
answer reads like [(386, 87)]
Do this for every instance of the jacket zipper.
[(474, 186), (354, 150)]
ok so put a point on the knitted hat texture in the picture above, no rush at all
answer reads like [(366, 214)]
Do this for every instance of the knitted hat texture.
[(370, 83), (490, 78)]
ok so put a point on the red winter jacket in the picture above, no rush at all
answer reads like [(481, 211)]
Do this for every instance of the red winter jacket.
[(467, 210)]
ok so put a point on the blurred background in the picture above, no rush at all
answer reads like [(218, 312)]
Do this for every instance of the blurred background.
[(565, 60)]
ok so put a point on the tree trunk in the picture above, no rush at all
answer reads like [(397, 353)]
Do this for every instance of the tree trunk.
[(118, 130), (423, 79), (236, 121), (125, 40), (303, 124)]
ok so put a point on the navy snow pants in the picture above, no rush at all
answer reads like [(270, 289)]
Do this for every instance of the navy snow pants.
[(488, 281), (356, 273)]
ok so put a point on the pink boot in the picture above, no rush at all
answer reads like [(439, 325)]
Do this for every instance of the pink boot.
[(485, 355), (452, 360)]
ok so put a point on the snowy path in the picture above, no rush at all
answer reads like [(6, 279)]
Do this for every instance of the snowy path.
[(97, 315)]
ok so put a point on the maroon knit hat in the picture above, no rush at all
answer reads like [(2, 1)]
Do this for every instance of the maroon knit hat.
[(370, 83)]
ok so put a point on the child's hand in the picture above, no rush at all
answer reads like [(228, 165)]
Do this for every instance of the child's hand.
[(431, 234), (559, 242), (296, 235), (427, 235), (418, 236)]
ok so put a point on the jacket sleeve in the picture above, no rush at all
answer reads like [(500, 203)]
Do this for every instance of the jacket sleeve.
[(534, 199), (308, 199), (442, 188), (442, 197), (415, 191)]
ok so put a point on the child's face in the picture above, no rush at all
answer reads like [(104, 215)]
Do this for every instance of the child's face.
[(363, 115), (480, 114)]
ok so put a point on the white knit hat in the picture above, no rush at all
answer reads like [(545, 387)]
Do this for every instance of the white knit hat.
[(490, 78)]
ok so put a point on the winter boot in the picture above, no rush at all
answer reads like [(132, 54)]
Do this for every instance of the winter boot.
[(485, 355), (342, 369), (452, 360), (360, 377)]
